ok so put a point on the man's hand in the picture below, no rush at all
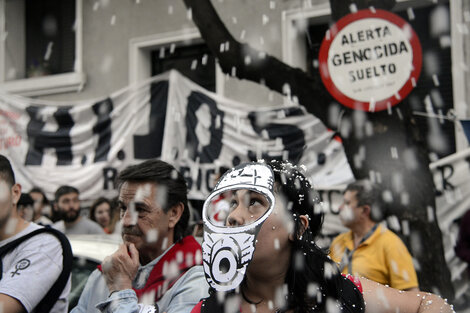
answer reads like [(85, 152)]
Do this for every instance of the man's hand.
[(120, 268)]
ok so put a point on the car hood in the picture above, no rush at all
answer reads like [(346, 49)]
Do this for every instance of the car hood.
[(94, 247)]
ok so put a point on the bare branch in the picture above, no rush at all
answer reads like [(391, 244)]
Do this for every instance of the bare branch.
[(257, 66)]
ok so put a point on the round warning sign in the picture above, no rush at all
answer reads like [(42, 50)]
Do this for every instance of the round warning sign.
[(370, 60)]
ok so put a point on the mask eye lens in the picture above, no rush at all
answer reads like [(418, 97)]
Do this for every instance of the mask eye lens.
[(236, 208)]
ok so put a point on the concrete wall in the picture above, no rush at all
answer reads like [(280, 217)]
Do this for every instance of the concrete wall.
[(108, 26)]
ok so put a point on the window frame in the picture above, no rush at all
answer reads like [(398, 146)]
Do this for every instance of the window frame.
[(140, 54), (51, 84), (294, 49)]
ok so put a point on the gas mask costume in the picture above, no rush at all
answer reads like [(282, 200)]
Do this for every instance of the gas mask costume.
[(229, 247)]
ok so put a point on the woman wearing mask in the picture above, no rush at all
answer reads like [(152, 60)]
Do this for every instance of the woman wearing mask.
[(264, 258)]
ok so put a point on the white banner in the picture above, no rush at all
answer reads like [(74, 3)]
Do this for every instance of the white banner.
[(86, 143), (451, 178)]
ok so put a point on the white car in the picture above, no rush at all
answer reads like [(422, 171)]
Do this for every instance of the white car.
[(88, 252)]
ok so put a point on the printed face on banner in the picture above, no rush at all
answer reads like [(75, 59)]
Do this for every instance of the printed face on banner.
[(229, 242)]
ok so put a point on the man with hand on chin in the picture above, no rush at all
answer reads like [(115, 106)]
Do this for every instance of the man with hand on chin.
[(157, 268)]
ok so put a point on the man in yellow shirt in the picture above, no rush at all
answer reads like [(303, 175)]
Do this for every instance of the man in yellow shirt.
[(369, 249)]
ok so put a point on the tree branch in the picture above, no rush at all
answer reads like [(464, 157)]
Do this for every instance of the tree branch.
[(245, 62)]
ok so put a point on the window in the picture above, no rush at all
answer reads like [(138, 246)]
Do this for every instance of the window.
[(41, 53), (151, 55), (50, 39), (194, 61)]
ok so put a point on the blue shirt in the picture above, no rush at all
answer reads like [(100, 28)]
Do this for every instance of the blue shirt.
[(181, 297)]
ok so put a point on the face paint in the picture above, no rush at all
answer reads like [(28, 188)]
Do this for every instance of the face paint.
[(230, 230)]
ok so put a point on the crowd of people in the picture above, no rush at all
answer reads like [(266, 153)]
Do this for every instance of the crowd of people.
[(64, 213), (260, 255)]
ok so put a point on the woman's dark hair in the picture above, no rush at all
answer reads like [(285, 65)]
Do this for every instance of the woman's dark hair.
[(98, 202), (310, 285)]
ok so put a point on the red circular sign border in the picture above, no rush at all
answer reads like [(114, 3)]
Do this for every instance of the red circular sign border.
[(325, 47)]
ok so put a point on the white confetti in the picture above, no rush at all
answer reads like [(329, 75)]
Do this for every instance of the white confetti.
[(48, 51), (439, 21), (165, 243), (405, 198), (394, 152), (353, 8), (161, 196), (152, 236), (204, 59), (411, 14), (393, 222), (265, 19), (430, 212), (435, 80), (332, 306), (106, 64), (405, 227), (242, 34)]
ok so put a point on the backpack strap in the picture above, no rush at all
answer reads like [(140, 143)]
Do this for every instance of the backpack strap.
[(54, 292)]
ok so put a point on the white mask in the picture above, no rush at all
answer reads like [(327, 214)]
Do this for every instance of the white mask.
[(227, 250)]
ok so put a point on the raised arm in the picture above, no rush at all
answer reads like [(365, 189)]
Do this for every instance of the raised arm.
[(384, 299)]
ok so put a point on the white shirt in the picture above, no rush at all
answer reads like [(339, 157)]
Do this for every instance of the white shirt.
[(30, 269)]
